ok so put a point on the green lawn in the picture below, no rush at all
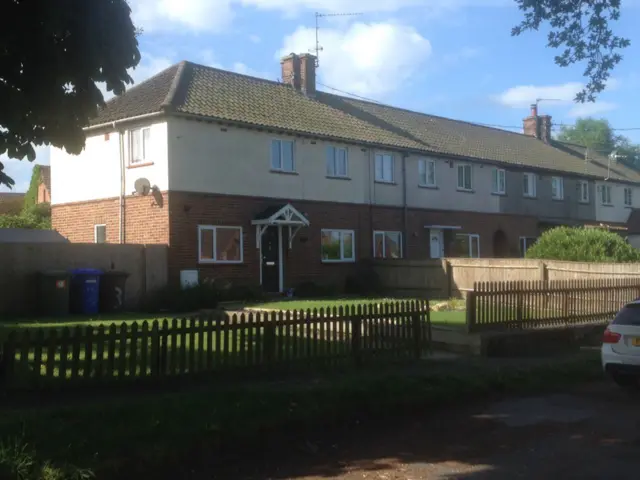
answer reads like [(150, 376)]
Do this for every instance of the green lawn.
[(80, 320)]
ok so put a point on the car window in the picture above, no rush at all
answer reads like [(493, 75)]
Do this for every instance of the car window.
[(629, 315)]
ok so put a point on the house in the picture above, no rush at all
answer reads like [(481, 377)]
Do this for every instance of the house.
[(44, 186), (275, 183), (11, 203)]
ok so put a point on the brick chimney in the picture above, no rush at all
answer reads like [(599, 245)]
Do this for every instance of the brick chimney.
[(538, 126), (299, 71)]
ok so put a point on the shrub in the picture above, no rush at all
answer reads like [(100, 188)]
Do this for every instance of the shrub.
[(179, 300), (583, 245), (33, 217)]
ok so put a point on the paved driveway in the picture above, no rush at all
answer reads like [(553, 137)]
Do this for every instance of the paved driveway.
[(590, 433)]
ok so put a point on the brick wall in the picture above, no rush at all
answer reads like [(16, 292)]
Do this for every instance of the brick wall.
[(173, 218), (146, 219), (302, 262)]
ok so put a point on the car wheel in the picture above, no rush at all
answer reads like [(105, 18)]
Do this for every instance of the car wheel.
[(631, 383)]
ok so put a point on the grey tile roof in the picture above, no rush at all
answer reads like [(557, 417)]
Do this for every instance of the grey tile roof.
[(194, 89)]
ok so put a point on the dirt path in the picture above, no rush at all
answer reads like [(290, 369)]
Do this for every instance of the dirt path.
[(591, 433)]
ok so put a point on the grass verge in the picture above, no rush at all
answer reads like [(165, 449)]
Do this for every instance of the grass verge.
[(154, 437)]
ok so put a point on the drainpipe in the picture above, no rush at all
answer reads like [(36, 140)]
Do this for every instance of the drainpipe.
[(405, 210), (372, 191), (122, 182)]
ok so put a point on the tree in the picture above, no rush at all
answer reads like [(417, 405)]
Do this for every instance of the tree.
[(582, 245), (598, 135), (51, 56), (581, 28)]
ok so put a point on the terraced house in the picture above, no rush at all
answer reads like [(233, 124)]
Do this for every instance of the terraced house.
[(276, 183)]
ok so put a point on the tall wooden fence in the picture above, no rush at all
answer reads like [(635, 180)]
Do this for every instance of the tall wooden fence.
[(544, 304), (34, 358)]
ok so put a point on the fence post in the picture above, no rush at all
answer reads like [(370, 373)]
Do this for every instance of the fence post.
[(417, 332), (448, 272), (7, 360), (356, 322), (269, 341), (471, 311)]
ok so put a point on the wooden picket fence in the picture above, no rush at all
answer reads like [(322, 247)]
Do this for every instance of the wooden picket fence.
[(254, 342), (545, 304)]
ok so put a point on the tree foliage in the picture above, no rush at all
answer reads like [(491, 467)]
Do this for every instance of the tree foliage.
[(581, 29), (598, 135), (583, 245), (53, 53)]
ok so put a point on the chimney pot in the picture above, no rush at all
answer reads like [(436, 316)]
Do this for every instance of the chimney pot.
[(534, 109)]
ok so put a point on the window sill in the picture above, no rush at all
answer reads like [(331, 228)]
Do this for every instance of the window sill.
[(498, 194), (384, 182), (529, 197), (429, 187), (338, 261), (216, 262), (630, 207), (140, 165), (464, 190), (606, 204), (581, 202), (283, 172), (337, 177)]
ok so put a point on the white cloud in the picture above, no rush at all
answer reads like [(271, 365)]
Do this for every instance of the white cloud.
[(217, 15), (590, 109), (255, 38), (366, 59), (525, 95)]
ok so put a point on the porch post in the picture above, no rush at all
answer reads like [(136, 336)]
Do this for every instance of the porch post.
[(280, 259)]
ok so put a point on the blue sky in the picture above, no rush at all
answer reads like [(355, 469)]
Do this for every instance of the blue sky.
[(454, 58)]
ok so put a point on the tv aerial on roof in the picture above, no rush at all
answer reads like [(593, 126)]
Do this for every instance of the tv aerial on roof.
[(318, 48)]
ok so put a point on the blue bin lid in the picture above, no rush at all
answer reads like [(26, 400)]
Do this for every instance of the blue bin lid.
[(86, 271)]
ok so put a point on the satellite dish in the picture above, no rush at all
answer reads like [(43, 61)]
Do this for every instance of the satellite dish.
[(142, 186)]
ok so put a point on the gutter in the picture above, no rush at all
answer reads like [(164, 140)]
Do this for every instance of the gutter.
[(124, 120)]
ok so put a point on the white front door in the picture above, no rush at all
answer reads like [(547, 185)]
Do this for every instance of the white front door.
[(436, 243)]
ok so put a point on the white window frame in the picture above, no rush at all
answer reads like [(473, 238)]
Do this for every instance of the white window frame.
[(557, 184), (630, 191), (469, 237), (342, 258), (145, 148), (526, 244), (384, 233), (95, 232), (584, 188), (280, 166), (464, 167), (495, 179), (214, 229), (382, 157), (603, 189), (333, 162), (532, 180), (423, 170)]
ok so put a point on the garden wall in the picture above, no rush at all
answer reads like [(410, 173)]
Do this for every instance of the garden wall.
[(451, 277), (21, 262)]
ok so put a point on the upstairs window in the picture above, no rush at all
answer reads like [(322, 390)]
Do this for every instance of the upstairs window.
[(628, 196), (427, 173), (499, 181), (584, 191), (529, 185), (282, 156), (384, 168), (139, 146), (465, 182), (605, 194), (337, 162), (557, 188)]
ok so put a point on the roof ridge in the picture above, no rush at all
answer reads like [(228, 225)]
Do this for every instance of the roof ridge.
[(467, 122), (136, 86), (177, 78)]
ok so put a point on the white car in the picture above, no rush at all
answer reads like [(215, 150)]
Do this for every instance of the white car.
[(621, 347)]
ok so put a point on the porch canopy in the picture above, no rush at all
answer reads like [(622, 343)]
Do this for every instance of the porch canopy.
[(284, 215)]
